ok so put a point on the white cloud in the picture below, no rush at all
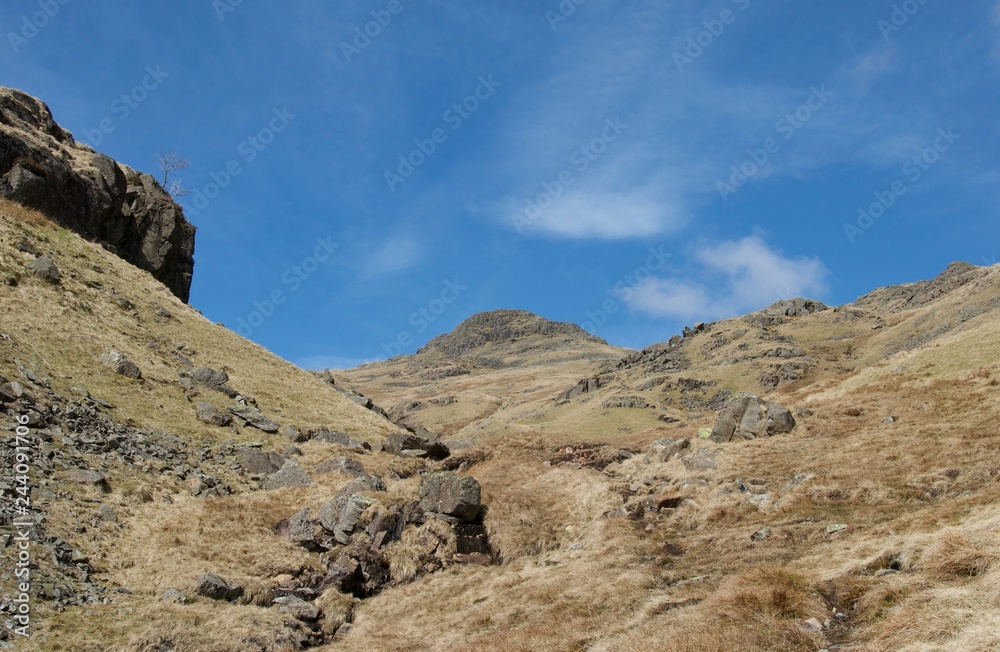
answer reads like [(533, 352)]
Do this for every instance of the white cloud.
[(397, 254), (734, 277), (606, 216)]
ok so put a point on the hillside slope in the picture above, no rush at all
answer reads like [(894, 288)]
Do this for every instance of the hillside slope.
[(482, 377), (607, 524)]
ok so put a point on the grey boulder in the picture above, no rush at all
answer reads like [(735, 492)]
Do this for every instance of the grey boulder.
[(451, 494), (751, 417)]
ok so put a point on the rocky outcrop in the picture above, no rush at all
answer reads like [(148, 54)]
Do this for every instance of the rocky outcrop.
[(366, 544), (500, 327), (751, 417), (44, 168), (784, 310)]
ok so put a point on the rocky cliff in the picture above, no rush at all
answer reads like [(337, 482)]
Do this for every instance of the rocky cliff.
[(43, 167)]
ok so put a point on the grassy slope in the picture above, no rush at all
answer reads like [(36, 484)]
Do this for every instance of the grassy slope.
[(918, 494), (165, 538)]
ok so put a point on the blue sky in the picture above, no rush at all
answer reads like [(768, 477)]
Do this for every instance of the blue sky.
[(632, 166)]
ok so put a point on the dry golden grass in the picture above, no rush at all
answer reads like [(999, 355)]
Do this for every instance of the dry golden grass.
[(914, 569), (25, 215)]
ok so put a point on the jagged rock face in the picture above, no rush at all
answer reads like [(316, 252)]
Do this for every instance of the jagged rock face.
[(43, 167), (501, 326)]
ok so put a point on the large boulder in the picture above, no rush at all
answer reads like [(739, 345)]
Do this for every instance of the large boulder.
[(289, 475), (208, 413), (45, 269), (751, 417), (257, 462), (211, 378), (341, 516), (214, 587), (44, 168), (120, 364), (410, 444), (451, 494)]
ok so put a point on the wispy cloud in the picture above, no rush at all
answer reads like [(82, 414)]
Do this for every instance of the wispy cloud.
[(600, 215), (397, 254), (730, 278)]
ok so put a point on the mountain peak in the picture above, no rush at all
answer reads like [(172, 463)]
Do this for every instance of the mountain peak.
[(500, 327)]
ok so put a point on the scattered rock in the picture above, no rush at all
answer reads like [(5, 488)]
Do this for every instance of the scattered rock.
[(257, 462), (289, 475), (214, 587), (210, 414), (630, 402), (340, 439), (400, 443), (32, 375), (107, 514), (294, 435), (45, 269), (751, 417), (297, 608), (890, 420), (367, 484), (664, 450), (341, 516), (91, 478), (761, 535), (210, 378), (701, 459), (253, 417), (342, 465), (451, 494), (299, 530), (174, 595), (120, 364), (833, 529)]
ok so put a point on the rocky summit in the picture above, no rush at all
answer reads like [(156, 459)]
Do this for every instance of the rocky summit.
[(802, 477)]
